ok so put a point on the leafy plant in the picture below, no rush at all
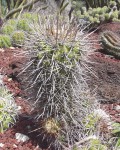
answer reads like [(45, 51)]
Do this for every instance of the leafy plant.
[(23, 24), (8, 109)]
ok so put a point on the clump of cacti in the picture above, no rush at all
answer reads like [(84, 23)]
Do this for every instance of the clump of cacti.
[(55, 49), (97, 15), (5, 41), (111, 43), (8, 109), (18, 38)]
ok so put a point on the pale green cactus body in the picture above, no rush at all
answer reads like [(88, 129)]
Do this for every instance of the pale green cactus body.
[(23, 24), (5, 41), (111, 43), (18, 38), (7, 29)]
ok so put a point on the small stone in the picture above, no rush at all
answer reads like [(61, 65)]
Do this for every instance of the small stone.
[(21, 137), (117, 108), (2, 50), (14, 145), (1, 144), (19, 107), (10, 79), (12, 47)]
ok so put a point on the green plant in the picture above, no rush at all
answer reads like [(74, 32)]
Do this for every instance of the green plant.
[(8, 109), (98, 12), (23, 24), (7, 29), (5, 41), (55, 49), (111, 43), (30, 17), (18, 38)]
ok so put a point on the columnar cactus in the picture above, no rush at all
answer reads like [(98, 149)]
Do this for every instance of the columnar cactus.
[(111, 43), (56, 50), (8, 109)]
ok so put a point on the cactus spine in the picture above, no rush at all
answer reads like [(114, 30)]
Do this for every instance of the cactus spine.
[(111, 43)]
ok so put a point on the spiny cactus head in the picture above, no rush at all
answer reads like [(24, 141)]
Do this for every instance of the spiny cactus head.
[(12, 22), (101, 18), (23, 24), (107, 16), (112, 4), (8, 109), (114, 15), (27, 15), (5, 41), (7, 29), (105, 9), (51, 126), (18, 38)]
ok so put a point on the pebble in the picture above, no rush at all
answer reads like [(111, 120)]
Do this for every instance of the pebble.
[(117, 108), (21, 137), (1, 144)]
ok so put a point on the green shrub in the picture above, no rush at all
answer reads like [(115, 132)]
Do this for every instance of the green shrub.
[(5, 41)]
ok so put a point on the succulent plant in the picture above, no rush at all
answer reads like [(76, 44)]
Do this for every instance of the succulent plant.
[(7, 29), (111, 43), (30, 17), (98, 14), (8, 109), (5, 41), (18, 38), (55, 52), (23, 24)]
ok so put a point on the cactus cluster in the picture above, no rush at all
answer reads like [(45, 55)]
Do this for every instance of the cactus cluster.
[(59, 92), (15, 30), (95, 16), (8, 109), (111, 43)]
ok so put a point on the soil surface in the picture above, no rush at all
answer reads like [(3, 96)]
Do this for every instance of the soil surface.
[(104, 79)]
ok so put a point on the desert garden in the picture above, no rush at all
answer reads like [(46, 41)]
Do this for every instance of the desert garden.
[(60, 75)]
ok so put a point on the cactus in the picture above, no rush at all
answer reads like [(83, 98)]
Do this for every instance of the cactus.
[(8, 109), (111, 43), (5, 41), (30, 17), (7, 29), (100, 14), (18, 38), (56, 79), (23, 24)]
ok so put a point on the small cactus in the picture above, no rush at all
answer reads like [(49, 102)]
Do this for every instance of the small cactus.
[(111, 43), (8, 109), (5, 41), (23, 24), (18, 38), (7, 29)]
